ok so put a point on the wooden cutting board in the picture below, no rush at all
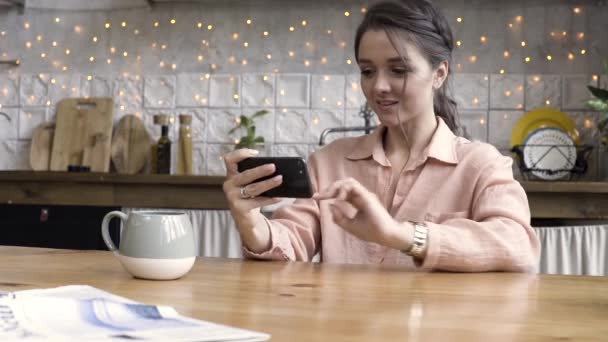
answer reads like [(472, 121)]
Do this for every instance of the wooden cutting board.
[(83, 133), (41, 146), (130, 145)]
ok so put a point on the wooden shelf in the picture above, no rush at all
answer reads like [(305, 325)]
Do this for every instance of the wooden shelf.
[(560, 200), (105, 189)]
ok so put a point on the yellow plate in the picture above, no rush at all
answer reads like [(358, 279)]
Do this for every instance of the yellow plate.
[(540, 118)]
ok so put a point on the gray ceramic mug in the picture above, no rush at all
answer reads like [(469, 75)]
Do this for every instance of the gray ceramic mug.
[(153, 244)]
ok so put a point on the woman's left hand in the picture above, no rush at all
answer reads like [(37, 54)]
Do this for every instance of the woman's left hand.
[(360, 212)]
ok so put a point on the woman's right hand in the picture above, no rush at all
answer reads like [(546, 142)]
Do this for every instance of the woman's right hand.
[(242, 191)]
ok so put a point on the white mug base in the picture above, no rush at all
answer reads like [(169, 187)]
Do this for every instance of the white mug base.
[(156, 269)]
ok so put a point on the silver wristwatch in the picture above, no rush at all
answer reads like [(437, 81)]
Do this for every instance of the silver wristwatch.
[(420, 239)]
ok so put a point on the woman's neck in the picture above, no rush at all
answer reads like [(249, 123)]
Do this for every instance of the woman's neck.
[(418, 134)]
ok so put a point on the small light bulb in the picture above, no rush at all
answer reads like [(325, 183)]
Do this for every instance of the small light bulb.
[(576, 10), (95, 39), (125, 54), (475, 101), (583, 51), (518, 18), (536, 79), (172, 21), (113, 50), (507, 93), (307, 63), (528, 59), (43, 55), (291, 53), (291, 28), (505, 54), (136, 31), (199, 24), (53, 81), (123, 24), (594, 77), (109, 61), (173, 66), (327, 78), (523, 43), (458, 42), (473, 58), (39, 38), (265, 78), (156, 23), (459, 19), (235, 36), (570, 56), (265, 33), (26, 25), (107, 25), (324, 60), (304, 23), (549, 57), (581, 35), (483, 39), (349, 62), (245, 44), (244, 62), (502, 71), (564, 33), (67, 51), (347, 13), (92, 59), (248, 21), (547, 102), (200, 57), (28, 45), (236, 96), (89, 77), (162, 64), (269, 56), (207, 76), (209, 27), (57, 20)]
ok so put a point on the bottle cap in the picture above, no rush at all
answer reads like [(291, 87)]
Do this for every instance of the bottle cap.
[(185, 119), (161, 119)]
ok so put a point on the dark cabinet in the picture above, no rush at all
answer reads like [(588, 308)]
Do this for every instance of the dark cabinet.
[(69, 227)]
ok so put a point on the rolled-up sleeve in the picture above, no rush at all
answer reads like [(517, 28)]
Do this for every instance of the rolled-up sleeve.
[(497, 237), (295, 232)]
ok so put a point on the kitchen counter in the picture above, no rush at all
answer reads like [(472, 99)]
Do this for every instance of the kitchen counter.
[(559, 200)]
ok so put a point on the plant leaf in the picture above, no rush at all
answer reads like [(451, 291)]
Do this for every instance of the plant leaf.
[(259, 140), (601, 94), (259, 113), (234, 129), (245, 122), (606, 64), (597, 105)]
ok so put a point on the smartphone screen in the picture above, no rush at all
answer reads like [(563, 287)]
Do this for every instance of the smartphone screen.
[(296, 180)]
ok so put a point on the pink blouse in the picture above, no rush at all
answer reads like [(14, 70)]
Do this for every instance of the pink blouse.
[(477, 214)]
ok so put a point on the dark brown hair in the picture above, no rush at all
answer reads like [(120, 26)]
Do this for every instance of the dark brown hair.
[(427, 28)]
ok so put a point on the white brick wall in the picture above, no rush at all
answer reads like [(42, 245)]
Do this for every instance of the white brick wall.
[(307, 84)]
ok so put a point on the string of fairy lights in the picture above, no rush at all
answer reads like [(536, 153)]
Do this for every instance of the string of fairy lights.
[(50, 49)]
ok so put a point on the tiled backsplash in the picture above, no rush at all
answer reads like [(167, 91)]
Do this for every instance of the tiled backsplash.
[(301, 106), (221, 59)]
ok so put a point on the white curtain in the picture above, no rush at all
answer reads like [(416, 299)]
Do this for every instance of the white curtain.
[(574, 250)]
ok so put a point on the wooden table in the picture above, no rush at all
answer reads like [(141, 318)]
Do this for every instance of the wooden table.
[(324, 302)]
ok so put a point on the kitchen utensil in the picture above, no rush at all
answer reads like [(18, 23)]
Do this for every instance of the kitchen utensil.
[(130, 145), (539, 118), (83, 134), (41, 146), (550, 153)]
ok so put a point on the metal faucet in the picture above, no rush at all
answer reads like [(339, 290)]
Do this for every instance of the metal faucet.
[(364, 112)]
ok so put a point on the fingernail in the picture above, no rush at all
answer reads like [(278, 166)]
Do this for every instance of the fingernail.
[(255, 152)]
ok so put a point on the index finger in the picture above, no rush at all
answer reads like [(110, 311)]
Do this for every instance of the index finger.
[(232, 158)]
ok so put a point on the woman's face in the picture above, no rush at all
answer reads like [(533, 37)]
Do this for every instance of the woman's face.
[(383, 74)]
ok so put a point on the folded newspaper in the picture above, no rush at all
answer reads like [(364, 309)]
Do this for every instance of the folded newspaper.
[(85, 313)]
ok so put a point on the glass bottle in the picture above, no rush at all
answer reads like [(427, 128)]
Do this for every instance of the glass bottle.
[(184, 149), (163, 148)]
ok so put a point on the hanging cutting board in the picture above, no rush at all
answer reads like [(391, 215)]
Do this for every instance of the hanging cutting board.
[(83, 134), (130, 145), (41, 146)]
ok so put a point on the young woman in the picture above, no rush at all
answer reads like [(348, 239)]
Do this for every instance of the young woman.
[(413, 192)]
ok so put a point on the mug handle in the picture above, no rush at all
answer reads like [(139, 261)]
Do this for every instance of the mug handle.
[(105, 226)]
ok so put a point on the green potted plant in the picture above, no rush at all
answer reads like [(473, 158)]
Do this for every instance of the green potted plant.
[(599, 103), (246, 124)]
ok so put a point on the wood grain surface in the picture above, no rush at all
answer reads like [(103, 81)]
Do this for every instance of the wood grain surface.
[(327, 302)]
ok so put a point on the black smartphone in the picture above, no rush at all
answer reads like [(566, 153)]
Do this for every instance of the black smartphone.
[(296, 181)]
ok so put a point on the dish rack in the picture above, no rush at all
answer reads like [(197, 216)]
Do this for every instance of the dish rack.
[(577, 170)]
